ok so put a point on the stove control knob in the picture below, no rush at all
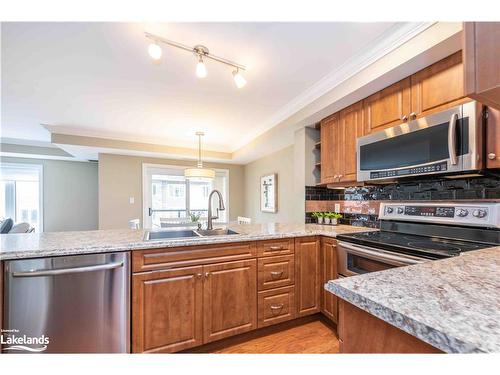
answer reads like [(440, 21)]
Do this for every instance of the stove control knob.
[(389, 210), (462, 212), (401, 210), (479, 213)]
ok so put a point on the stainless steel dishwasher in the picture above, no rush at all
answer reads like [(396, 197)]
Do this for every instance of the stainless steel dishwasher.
[(81, 303)]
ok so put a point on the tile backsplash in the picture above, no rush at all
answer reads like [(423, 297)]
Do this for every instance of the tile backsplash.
[(357, 209)]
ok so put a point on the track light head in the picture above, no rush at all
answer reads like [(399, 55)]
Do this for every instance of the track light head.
[(201, 69), (155, 51), (239, 80)]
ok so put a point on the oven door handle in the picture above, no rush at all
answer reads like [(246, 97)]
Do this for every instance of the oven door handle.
[(397, 260), (452, 136)]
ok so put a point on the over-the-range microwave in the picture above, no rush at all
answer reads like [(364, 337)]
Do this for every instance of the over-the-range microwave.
[(444, 142)]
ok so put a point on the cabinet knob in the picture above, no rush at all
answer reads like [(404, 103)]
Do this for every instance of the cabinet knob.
[(276, 274), (275, 247), (199, 275), (492, 156), (413, 116), (277, 307), (207, 274), (340, 176), (404, 118)]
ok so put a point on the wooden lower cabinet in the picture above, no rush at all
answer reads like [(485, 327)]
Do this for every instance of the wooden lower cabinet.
[(361, 332), (167, 310), (307, 275), (229, 299), (275, 272), (329, 302), (276, 305)]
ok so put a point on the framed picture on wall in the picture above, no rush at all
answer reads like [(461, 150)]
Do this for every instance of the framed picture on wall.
[(269, 193)]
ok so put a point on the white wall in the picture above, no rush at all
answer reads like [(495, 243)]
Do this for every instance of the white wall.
[(70, 194), (282, 163)]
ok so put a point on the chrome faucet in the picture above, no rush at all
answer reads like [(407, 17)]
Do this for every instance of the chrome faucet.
[(220, 208)]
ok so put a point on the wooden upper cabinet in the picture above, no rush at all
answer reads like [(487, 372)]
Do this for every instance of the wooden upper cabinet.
[(167, 310), (481, 54), (493, 139), (307, 275), (351, 128), (388, 107), (437, 87), (329, 301), (330, 134), (229, 299)]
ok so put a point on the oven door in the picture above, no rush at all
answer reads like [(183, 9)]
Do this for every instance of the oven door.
[(356, 259), (440, 143)]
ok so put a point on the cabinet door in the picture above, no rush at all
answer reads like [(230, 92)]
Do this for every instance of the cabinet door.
[(275, 272), (437, 87), (229, 299), (330, 137), (307, 275), (351, 125), (167, 310), (329, 272), (481, 56), (388, 107), (493, 139)]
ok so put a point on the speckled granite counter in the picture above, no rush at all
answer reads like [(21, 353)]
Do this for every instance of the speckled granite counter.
[(14, 246), (452, 304)]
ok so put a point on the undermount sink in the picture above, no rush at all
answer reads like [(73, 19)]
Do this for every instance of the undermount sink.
[(187, 233), (215, 232), (163, 234)]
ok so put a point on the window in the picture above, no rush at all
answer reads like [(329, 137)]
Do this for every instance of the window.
[(20, 194), (169, 199)]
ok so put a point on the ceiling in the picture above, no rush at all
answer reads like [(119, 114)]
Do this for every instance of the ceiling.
[(96, 79)]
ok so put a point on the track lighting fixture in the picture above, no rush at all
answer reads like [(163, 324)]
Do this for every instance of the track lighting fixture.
[(201, 53)]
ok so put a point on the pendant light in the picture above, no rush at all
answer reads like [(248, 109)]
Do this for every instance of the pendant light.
[(199, 172)]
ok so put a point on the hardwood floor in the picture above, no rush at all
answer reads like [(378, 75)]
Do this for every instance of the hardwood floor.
[(307, 335)]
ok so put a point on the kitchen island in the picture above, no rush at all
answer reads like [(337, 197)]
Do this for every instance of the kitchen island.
[(452, 304)]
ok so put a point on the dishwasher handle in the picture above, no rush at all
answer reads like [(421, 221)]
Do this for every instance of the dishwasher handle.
[(65, 271)]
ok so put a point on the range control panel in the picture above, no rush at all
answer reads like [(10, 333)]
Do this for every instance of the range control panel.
[(474, 214)]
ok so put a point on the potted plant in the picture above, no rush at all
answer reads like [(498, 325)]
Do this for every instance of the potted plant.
[(194, 218), (334, 217), (319, 216), (327, 217)]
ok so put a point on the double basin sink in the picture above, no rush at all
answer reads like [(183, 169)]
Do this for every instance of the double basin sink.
[(187, 233)]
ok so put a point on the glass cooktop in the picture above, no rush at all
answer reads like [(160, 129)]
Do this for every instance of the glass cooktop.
[(424, 246)]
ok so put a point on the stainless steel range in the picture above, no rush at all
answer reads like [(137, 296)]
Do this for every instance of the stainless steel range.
[(412, 233)]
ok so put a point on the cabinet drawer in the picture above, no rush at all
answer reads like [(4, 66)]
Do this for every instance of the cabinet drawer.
[(275, 272), (275, 247), (276, 305), (146, 260)]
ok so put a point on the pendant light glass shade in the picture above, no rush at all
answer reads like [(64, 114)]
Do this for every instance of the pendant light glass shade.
[(199, 172)]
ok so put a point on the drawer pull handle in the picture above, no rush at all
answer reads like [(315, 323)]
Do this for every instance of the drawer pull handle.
[(276, 274), (276, 248), (277, 308)]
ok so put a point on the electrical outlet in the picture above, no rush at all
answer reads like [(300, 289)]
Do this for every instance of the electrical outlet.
[(131, 200), (337, 207)]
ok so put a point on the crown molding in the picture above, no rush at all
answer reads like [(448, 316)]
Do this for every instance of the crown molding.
[(383, 45)]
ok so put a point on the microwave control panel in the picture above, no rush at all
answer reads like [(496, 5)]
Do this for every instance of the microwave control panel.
[(430, 168), (485, 214)]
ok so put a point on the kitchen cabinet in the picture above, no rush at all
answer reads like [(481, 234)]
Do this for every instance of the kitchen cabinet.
[(481, 55), (351, 128), (437, 87), (275, 272), (229, 299), (388, 107), (493, 138), (276, 306), (329, 301), (167, 310), (361, 332), (307, 275), (330, 153)]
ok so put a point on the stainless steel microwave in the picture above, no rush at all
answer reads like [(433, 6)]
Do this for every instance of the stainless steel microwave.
[(444, 142)]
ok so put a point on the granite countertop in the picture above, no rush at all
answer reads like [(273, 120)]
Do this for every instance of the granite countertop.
[(452, 304), (16, 246)]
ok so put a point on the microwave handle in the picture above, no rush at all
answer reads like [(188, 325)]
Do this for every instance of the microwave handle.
[(452, 136)]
